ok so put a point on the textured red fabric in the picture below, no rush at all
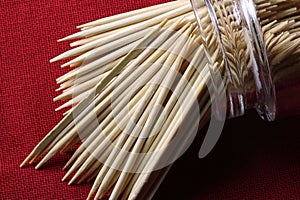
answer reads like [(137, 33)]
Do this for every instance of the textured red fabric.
[(253, 159)]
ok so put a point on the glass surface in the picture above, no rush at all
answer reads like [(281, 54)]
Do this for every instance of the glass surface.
[(234, 46)]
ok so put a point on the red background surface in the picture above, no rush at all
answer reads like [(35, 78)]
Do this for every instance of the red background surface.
[(253, 159)]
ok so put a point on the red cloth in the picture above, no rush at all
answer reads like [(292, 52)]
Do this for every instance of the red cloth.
[(253, 159)]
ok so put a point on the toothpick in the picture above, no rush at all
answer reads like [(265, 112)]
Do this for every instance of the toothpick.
[(148, 23), (139, 12)]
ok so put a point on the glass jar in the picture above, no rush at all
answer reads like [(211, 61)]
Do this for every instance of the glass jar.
[(235, 47)]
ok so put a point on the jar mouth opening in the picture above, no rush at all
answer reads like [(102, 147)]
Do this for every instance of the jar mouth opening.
[(245, 12)]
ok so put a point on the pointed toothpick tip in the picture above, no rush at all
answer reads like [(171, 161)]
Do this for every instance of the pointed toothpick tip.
[(71, 181), (65, 65), (31, 162), (38, 166), (42, 162), (63, 39), (59, 89), (59, 108), (26, 160), (67, 112), (84, 26), (54, 59), (80, 181), (80, 26), (64, 178), (70, 37), (66, 166), (23, 163)]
